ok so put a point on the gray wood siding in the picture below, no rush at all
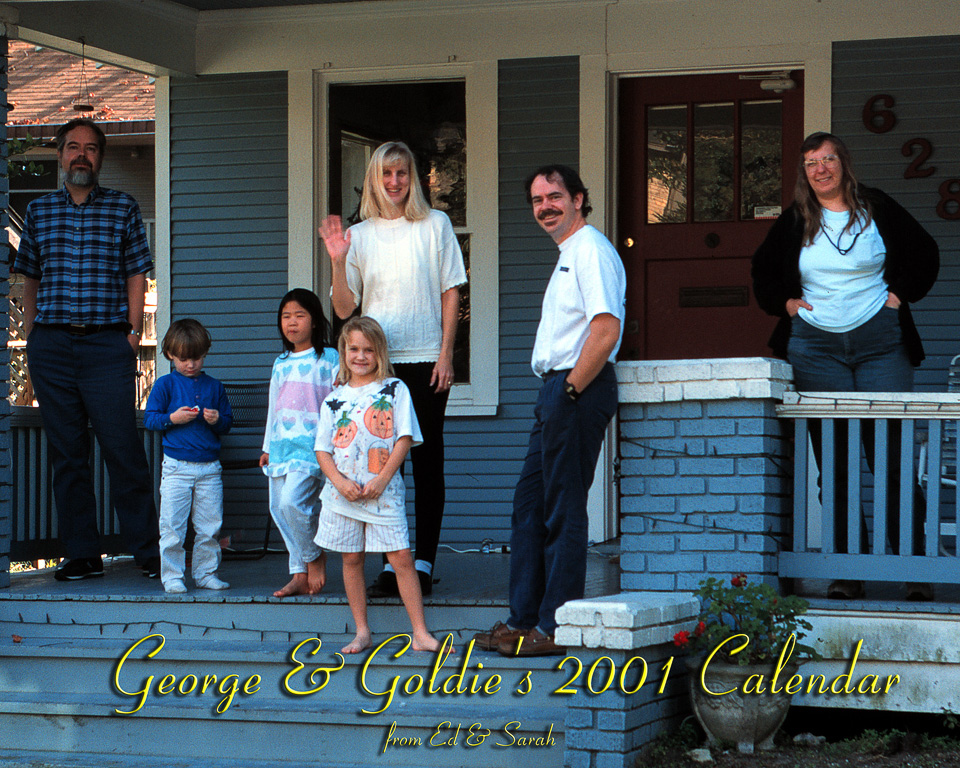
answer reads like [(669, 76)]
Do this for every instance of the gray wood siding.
[(538, 106), (228, 245), (923, 76), (228, 211)]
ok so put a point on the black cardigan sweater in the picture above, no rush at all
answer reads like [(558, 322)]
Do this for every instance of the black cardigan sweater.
[(910, 268)]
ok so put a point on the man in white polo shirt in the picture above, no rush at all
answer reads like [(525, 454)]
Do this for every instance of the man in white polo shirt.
[(581, 326)]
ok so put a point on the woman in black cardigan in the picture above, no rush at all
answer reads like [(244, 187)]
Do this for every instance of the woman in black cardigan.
[(839, 268)]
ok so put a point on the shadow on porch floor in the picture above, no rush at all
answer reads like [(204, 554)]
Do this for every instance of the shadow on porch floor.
[(881, 596)]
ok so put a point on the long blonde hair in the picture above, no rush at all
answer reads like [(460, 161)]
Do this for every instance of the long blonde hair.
[(372, 331), (374, 201)]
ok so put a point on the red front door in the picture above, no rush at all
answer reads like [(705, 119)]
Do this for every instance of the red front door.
[(706, 163)]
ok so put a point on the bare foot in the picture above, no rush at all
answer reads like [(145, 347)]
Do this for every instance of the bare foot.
[(427, 642), (317, 574), (359, 643), (296, 586)]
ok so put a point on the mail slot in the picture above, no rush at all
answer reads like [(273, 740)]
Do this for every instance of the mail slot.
[(715, 296)]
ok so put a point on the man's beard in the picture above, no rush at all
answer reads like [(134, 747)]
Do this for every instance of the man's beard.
[(81, 177)]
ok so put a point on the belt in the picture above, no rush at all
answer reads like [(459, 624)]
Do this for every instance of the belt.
[(79, 329)]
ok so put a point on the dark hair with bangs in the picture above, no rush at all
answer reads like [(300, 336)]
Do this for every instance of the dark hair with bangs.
[(320, 336), (186, 339), (571, 181)]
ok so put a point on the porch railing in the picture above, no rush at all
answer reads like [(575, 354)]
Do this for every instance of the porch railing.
[(924, 520), (32, 505)]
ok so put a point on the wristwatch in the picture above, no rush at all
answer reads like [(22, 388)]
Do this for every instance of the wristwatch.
[(571, 391)]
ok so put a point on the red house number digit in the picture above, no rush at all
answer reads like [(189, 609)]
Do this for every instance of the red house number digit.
[(879, 120), (914, 170), (949, 205)]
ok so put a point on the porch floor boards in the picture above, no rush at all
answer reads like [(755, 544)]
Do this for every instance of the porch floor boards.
[(464, 579)]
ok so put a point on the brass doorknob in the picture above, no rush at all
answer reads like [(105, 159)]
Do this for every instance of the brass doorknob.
[(628, 242)]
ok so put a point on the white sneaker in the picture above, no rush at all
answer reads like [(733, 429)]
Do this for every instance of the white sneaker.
[(175, 587), (212, 582)]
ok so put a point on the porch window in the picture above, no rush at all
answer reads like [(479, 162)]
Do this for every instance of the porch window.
[(454, 142)]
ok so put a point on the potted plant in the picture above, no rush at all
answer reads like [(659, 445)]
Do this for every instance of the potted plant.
[(744, 653)]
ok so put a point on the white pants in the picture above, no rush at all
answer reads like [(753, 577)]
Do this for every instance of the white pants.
[(295, 508), (185, 487)]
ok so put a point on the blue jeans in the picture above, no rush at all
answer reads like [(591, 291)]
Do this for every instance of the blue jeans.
[(92, 378), (295, 508), (548, 542), (870, 358)]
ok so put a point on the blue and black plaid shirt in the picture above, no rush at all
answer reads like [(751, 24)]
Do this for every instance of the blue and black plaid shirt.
[(82, 255)]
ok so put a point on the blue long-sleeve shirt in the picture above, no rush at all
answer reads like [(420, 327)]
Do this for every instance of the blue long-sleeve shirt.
[(196, 440)]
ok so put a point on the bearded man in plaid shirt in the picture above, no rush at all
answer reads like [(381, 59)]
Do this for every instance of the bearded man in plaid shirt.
[(84, 256)]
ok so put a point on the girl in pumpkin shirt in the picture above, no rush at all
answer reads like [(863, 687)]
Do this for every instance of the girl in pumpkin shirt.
[(367, 426)]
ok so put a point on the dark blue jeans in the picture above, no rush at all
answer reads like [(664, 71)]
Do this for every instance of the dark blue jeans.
[(548, 542), (870, 358), (81, 378)]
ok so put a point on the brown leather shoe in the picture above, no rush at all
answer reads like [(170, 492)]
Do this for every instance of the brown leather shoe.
[(535, 643), (499, 633)]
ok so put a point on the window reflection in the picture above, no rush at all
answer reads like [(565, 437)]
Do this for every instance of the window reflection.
[(713, 162), (666, 164), (761, 159)]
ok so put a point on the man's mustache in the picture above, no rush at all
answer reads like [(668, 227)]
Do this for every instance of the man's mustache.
[(550, 212)]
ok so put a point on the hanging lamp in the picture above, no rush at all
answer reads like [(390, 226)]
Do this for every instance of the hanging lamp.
[(83, 102)]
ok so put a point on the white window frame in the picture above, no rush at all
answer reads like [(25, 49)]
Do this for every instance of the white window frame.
[(481, 396)]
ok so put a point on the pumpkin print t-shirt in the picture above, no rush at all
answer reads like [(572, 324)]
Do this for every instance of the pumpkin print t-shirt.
[(359, 427)]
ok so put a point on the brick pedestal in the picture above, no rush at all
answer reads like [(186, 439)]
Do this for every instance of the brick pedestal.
[(704, 485)]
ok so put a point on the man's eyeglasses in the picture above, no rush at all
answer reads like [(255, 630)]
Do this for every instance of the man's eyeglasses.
[(827, 161)]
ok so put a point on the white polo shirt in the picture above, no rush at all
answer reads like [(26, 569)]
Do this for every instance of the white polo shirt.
[(589, 280)]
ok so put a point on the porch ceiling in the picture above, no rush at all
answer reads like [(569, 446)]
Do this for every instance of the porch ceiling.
[(158, 37)]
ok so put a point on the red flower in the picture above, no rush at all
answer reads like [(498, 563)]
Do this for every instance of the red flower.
[(740, 580), (681, 638), (701, 628)]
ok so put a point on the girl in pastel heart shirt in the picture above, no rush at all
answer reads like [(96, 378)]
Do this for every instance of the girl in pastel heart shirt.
[(302, 377)]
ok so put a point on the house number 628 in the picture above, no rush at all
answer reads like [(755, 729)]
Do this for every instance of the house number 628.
[(879, 117)]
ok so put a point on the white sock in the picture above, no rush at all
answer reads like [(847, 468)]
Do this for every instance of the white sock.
[(389, 568), (423, 565)]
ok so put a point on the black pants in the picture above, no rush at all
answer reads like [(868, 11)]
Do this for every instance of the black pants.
[(426, 458)]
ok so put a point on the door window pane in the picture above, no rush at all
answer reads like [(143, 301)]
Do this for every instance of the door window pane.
[(666, 164), (713, 162), (761, 170)]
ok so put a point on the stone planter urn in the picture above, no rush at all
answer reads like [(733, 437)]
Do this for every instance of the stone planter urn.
[(749, 720)]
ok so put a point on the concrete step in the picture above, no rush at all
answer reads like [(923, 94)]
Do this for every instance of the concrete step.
[(58, 695), (218, 619)]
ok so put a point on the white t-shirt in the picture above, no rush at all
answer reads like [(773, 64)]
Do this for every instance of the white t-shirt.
[(359, 427), (844, 289), (589, 280), (397, 270)]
